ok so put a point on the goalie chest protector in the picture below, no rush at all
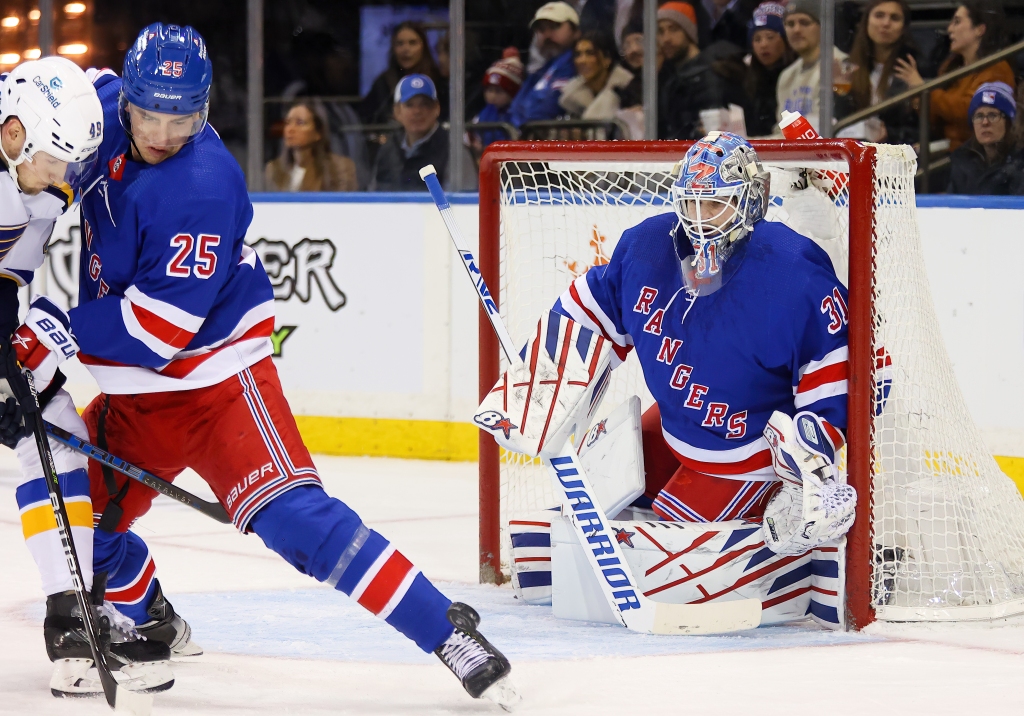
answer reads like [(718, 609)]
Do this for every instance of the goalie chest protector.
[(773, 336)]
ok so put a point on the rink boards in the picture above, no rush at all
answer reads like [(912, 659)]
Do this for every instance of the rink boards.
[(376, 327)]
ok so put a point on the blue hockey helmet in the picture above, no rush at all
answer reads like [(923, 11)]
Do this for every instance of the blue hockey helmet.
[(720, 193), (167, 71)]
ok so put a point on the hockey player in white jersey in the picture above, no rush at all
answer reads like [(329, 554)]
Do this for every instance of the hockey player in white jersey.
[(740, 326), (51, 126)]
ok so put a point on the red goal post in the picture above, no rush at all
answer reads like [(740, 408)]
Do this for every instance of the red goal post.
[(891, 570)]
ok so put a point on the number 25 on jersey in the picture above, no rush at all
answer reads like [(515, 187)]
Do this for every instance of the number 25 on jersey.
[(203, 264)]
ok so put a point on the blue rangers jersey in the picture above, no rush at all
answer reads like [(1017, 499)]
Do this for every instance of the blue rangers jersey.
[(772, 337), (170, 296), (539, 95)]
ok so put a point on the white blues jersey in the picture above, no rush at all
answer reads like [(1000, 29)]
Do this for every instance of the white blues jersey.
[(26, 222)]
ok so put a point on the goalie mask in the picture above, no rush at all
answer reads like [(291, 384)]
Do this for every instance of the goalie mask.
[(720, 193)]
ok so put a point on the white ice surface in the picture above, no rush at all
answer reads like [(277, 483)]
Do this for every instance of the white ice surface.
[(278, 643)]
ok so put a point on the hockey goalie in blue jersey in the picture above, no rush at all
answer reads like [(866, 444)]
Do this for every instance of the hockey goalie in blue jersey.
[(740, 327)]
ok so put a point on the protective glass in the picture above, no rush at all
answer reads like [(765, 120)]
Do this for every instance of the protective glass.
[(160, 130)]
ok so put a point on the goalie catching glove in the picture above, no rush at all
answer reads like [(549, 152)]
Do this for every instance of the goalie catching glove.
[(537, 404), (812, 507)]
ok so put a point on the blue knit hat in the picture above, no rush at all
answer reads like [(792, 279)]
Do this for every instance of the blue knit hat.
[(994, 94), (767, 16)]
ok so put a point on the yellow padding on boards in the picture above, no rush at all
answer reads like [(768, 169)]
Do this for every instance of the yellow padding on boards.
[(386, 437), (40, 519), (1014, 469), (439, 440)]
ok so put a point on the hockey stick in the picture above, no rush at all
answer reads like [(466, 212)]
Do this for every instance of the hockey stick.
[(68, 439), (632, 609), (119, 698)]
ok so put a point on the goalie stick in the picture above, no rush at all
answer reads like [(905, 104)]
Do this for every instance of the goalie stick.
[(632, 609), (119, 698), (70, 440)]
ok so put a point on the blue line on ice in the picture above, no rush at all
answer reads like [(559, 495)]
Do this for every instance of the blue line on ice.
[(316, 623)]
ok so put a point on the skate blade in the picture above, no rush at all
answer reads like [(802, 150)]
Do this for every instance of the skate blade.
[(186, 651), (75, 678), (504, 693)]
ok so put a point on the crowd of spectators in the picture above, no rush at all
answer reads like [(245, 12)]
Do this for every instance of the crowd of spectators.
[(721, 64)]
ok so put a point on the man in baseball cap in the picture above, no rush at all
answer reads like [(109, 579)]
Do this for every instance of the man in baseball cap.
[(555, 28), (421, 140)]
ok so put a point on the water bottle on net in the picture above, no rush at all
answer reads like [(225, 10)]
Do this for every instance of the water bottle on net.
[(795, 127)]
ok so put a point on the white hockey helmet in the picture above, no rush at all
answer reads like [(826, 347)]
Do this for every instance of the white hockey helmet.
[(57, 104)]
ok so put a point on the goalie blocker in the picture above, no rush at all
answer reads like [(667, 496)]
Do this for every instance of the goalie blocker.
[(539, 402)]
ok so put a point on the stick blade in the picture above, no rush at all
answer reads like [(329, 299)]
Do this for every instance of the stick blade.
[(709, 618), (132, 703)]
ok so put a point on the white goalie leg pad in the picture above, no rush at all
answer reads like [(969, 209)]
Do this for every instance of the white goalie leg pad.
[(536, 405), (530, 556), (612, 455), (812, 507), (828, 584), (684, 563)]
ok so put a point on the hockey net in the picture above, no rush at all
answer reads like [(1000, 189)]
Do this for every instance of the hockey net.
[(940, 529)]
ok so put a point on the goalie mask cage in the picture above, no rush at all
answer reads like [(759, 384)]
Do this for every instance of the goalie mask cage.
[(939, 533)]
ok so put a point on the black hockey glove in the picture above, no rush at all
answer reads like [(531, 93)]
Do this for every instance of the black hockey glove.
[(14, 394)]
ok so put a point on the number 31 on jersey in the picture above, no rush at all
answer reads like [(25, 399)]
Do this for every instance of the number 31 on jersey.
[(204, 264)]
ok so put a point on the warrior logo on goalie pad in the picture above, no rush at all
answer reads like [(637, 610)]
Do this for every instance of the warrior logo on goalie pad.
[(493, 420)]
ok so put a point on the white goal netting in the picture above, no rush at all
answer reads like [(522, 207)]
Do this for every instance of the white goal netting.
[(947, 525)]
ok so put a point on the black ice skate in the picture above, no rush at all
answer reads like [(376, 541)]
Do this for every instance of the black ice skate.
[(166, 626), (482, 669), (141, 664)]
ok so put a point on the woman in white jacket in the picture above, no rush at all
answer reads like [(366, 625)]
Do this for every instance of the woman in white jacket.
[(591, 94)]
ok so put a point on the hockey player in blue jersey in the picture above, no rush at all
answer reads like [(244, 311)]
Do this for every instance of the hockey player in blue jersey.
[(740, 327), (174, 321)]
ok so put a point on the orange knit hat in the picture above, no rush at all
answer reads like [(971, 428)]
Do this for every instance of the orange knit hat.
[(682, 14)]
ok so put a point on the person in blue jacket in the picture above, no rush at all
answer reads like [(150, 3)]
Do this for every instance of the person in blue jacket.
[(555, 28)]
